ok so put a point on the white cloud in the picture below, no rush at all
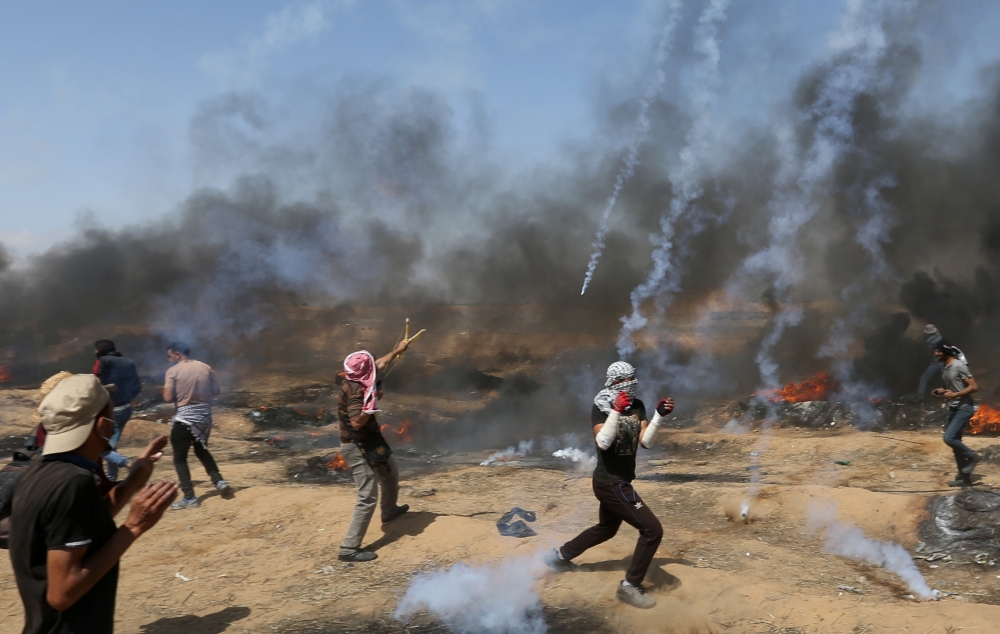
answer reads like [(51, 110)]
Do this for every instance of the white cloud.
[(242, 66)]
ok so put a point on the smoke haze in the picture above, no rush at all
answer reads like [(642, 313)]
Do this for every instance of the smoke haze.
[(836, 201)]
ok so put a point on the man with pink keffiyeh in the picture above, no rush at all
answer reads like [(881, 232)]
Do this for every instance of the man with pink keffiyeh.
[(364, 449)]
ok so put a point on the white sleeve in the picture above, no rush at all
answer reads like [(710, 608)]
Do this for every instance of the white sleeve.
[(649, 437), (609, 431)]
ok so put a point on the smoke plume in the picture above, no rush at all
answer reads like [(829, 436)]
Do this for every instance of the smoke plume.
[(813, 182), (489, 599), (850, 541)]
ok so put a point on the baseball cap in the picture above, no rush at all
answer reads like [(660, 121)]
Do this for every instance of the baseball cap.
[(68, 412)]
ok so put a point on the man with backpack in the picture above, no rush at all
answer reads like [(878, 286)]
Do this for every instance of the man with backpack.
[(118, 371)]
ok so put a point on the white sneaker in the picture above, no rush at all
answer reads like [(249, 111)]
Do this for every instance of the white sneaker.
[(635, 596), (223, 486)]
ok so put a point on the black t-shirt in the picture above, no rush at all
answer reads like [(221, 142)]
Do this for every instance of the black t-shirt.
[(617, 462), (57, 505)]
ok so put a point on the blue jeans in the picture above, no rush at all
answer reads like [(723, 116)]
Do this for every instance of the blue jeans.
[(958, 418), (112, 459), (932, 370)]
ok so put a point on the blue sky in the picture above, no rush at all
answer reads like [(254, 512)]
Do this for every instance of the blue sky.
[(98, 98)]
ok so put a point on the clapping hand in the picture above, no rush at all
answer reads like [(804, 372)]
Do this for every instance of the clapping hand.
[(142, 467)]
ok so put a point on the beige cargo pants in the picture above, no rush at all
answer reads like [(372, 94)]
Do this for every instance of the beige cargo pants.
[(368, 480)]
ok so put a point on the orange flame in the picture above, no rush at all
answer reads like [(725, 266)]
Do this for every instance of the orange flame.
[(336, 463), (817, 388), (5, 375), (402, 433), (985, 420), (275, 439)]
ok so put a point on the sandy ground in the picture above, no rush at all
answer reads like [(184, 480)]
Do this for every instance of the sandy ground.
[(265, 560)]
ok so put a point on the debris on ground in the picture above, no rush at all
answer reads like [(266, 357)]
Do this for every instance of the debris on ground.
[(518, 528), (963, 524)]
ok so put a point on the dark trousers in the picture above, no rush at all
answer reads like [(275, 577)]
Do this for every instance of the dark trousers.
[(958, 418), (620, 503), (181, 440)]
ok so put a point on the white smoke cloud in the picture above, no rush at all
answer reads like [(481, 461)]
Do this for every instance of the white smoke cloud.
[(638, 138), (484, 599), (850, 541), (585, 461), (523, 448)]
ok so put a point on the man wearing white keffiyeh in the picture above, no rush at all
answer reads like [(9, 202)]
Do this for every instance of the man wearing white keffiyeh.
[(191, 385), (620, 426)]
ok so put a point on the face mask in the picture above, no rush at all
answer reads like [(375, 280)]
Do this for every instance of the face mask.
[(629, 387), (106, 439)]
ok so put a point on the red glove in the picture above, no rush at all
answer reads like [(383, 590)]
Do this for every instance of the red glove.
[(622, 403), (665, 406)]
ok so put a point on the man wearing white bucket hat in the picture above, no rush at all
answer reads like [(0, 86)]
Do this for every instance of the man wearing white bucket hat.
[(64, 544)]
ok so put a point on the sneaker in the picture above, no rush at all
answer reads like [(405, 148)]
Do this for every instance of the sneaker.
[(399, 511), (356, 555), (635, 596), (964, 481), (970, 466), (223, 486), (185, 503), (557, 563)]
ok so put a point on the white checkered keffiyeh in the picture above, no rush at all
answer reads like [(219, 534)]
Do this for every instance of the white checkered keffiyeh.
[(198, 417), (616, 371)]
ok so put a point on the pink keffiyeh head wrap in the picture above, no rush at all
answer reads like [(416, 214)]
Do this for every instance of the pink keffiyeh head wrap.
[(360, 366)]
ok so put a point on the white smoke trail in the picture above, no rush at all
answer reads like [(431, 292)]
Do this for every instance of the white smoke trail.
[(850, 541), (641, 130), (859, 47), (486, 599), (665, 276), (524, 448), (872, 217)]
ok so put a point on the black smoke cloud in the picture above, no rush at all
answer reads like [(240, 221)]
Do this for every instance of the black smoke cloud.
[(386, 195)]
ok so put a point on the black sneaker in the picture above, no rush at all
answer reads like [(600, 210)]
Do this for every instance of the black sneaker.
[(357, 555), (557, 563), (964, 481), (399, 511), (970, 466), (635, 596)]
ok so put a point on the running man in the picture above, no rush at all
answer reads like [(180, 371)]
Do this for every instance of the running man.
[(191, 385), (118, 371), (620, 426), (934, 336), (365, 450), (959, 385)]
